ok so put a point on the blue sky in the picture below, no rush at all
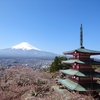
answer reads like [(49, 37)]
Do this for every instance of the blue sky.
[(50, 25)]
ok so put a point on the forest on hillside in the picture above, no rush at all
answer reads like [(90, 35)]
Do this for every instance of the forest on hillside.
[(23, 83)]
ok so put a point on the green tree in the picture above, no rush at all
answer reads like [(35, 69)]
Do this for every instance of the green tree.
[(54, 65), (57, 65)]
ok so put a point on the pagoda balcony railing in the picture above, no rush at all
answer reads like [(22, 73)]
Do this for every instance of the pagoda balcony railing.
[(84, 59), (81, 69), (82, 81), (88, 59)]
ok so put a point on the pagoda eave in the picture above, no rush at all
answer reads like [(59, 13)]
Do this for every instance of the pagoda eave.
[(82, 50), (71, 61), (79, 73), (71, 85), (79, 87)]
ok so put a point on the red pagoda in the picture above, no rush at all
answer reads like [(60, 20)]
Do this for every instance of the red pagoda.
[(80, 76)]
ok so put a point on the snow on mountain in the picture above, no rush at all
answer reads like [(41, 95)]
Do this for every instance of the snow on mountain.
[(25, 50), (25, 46)]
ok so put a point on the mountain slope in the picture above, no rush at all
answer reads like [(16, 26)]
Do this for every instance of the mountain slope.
[(25, 50)]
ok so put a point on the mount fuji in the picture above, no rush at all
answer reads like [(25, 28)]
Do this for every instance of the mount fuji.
[(25, 46), (25, 50)]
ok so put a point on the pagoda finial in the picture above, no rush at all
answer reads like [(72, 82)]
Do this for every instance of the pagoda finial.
[(81, 37)]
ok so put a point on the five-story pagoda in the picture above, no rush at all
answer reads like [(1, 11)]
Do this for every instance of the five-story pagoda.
[(80, 75)]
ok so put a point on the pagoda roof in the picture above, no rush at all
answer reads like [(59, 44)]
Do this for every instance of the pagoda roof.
[(71, 61), (78, 73), (83, 50), (79, 87), (71, 85)]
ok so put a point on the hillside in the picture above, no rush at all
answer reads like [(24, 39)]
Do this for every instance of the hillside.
[(22, 83)]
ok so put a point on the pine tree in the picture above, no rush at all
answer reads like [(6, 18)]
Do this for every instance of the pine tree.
[(56, 64)]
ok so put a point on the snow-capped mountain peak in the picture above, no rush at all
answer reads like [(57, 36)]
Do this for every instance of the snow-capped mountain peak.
[(25, 46)]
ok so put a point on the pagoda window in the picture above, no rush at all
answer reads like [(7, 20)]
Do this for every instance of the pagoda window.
[(74, 66), (77, 78), (77, 66), (74, 63), (73, 77), (77, 56)]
